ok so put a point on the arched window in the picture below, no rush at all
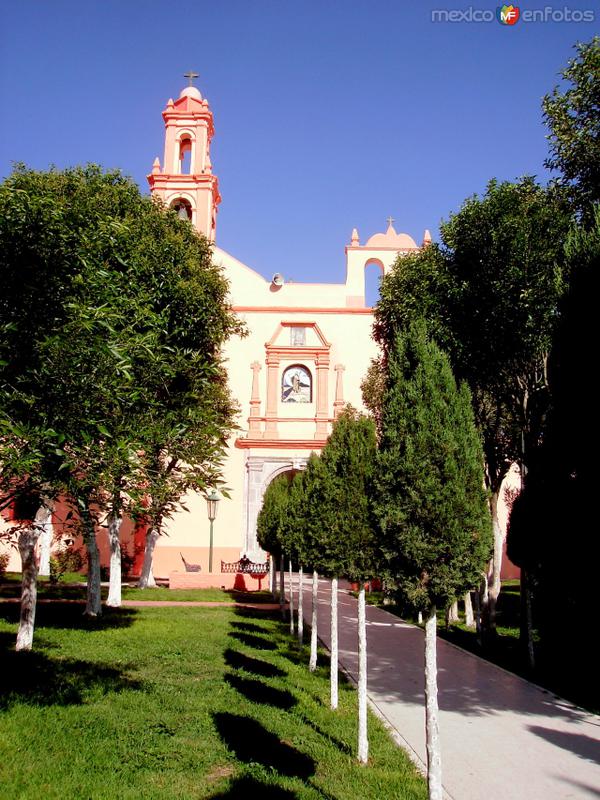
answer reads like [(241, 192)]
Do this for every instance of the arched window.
[(182, 208), (296, 385)]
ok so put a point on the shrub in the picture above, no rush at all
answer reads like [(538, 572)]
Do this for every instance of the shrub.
[(67, 560)]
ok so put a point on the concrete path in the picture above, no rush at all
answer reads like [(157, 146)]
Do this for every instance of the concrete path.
[(503, 738)]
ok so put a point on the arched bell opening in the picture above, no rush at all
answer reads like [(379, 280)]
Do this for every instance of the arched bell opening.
[(185, 155), (373, 275)]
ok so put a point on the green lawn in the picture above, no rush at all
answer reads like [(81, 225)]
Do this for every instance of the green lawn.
[(72, 587), (180, 703)]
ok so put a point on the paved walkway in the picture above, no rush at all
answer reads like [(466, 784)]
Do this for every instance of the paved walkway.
[(503, 738)]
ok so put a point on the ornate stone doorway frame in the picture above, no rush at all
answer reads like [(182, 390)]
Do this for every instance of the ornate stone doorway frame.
[(260, 471)]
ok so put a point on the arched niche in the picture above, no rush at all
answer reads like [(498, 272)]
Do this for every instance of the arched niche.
[(296, 384), (182, 207)]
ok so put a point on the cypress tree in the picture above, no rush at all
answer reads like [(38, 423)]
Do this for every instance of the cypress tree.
[(339, 530), (429, 498)]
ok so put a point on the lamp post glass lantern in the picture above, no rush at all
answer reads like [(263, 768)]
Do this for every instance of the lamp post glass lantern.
[(212, 501)]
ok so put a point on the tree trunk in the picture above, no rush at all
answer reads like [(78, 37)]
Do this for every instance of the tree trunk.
[(363, 741), (477, 598), (272, 576), (434, 756), (334, 644), (45, 543), (93, 606), (282, 586), (300, 605), (312, 663), (494, 570), (27, 541), (484, 608), (114, 529), (452, 613), (527, 619), (292, 626), (469, 617), (146, 580)]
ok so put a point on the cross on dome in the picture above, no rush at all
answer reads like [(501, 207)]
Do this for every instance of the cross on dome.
[(191, 75), (390, 221)]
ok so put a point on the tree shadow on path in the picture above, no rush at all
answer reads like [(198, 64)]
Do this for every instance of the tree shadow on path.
[(248, 627), (251, 640), (256, 666), (253, 743), (34, 678), (578, 743), (248, 787), (70, 616), (259, 692)]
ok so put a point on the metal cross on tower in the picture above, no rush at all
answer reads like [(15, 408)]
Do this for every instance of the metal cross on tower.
[(191, 76), (390, 220)]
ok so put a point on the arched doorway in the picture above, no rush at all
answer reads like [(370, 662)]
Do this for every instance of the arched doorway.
[(260, 471)]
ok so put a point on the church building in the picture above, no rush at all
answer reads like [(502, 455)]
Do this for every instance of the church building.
[(308, 349)]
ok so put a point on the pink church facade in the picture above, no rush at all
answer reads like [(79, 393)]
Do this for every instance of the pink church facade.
[(308, 349)]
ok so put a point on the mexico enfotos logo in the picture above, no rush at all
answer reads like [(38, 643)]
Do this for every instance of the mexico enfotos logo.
[(509, 15)]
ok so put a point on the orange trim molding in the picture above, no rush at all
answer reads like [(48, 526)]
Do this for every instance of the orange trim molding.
[(281, 444), (300, 310)]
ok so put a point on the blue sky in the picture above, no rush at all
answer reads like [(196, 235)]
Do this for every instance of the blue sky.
[(328, 115)]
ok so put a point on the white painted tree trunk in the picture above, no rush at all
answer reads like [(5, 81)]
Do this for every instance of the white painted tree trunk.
[(114, 588), (452, 613), (300, 605), (282, 586), (312, 662), (434, 756), (363, 740), (45, 544), (93, 606), (27, 541), (334, 644), (469, 616), (146, 580), (272, 577), (420, 618), (291, 590)]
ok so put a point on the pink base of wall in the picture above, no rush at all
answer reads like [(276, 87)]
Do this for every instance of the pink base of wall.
[(216, 580)]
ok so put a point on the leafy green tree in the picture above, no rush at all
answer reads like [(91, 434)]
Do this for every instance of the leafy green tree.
[(435, 531), (113, 318), (573, 118), (489, 294), (552, 531)]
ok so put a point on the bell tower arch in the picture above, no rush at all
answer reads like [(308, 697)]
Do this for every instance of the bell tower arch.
[(185, 181)]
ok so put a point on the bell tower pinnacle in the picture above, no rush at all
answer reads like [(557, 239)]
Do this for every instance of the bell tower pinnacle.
[(186, 183)]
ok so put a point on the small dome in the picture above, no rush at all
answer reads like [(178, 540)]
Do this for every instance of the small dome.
[(399, 241), (191, 91)]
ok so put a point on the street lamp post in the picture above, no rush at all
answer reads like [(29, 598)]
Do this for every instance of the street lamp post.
[(212, 501)]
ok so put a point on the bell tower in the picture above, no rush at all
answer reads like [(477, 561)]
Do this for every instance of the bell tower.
[(186, 183)]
